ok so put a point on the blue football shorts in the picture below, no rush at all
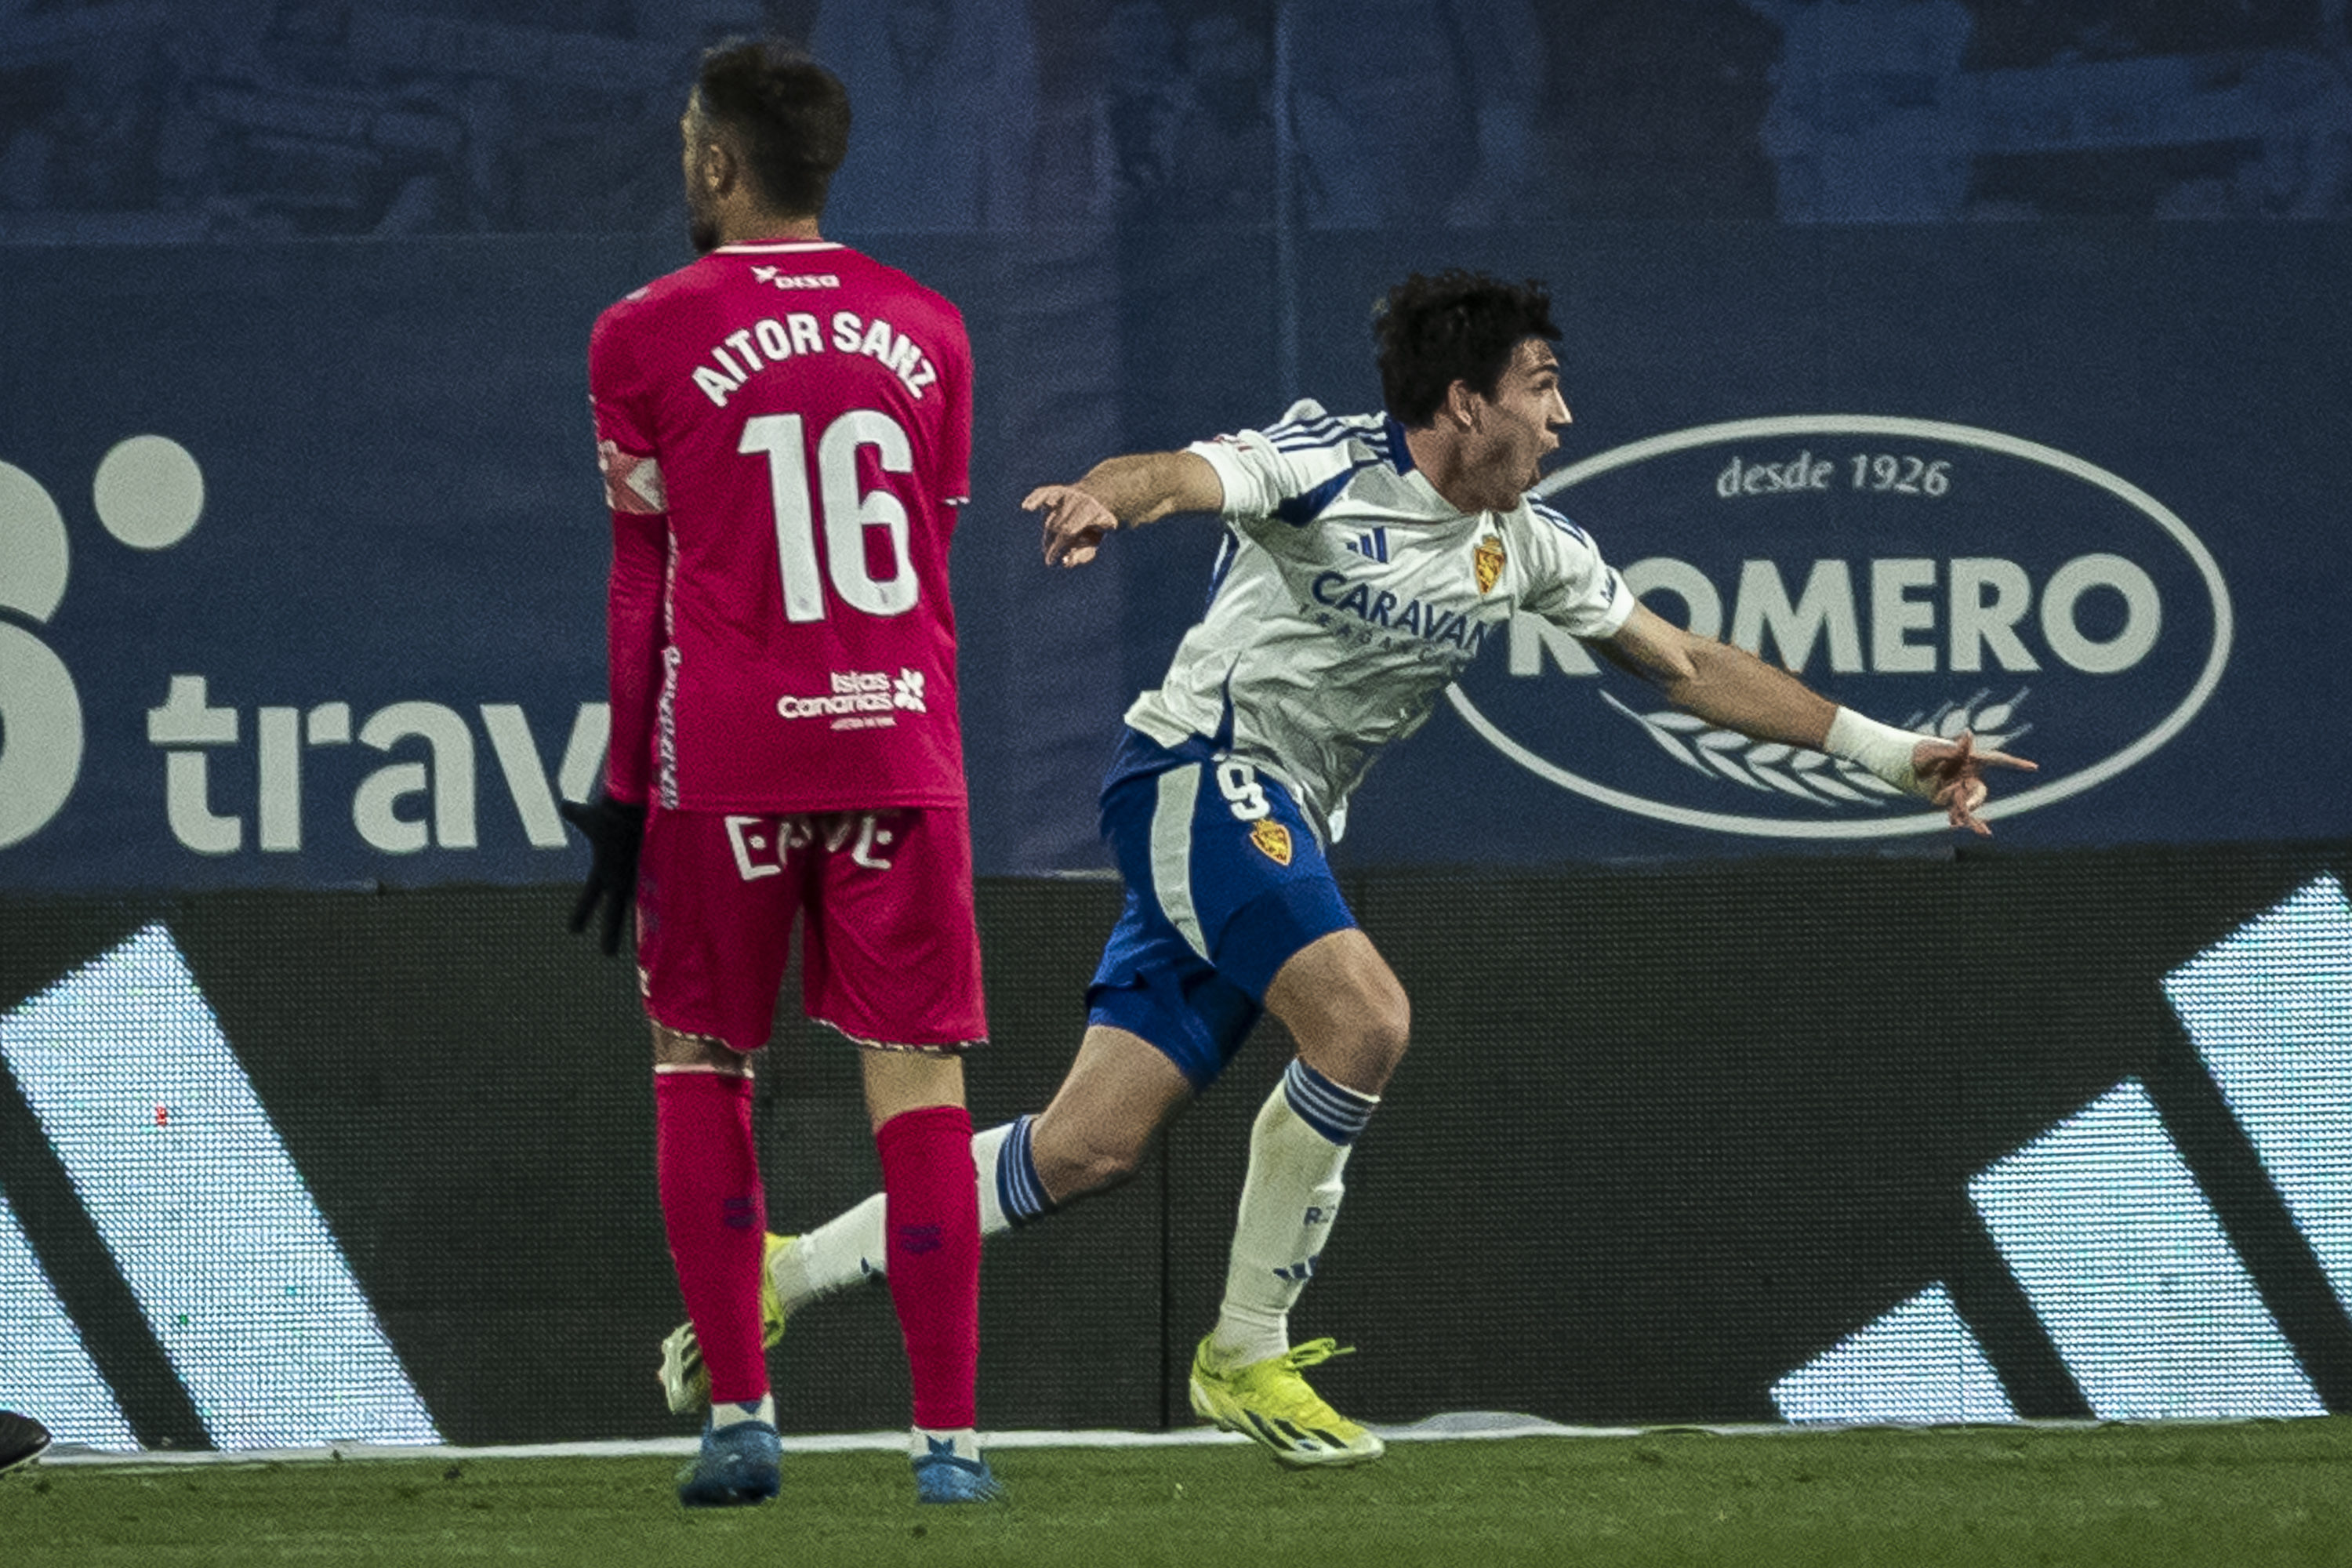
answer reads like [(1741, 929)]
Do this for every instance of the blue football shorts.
[(1224, 882)]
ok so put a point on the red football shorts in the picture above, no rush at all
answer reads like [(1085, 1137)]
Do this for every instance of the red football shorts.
[(889, 949)]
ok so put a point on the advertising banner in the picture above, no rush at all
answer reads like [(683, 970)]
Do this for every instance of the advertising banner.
[(302, 555), (2054, 1137), (1955, 479)]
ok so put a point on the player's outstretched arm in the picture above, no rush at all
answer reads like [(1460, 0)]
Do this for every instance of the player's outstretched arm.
[(1732, 688), (1121, 492)]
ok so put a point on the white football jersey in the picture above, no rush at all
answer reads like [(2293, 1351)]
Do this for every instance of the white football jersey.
[(1348, 595)]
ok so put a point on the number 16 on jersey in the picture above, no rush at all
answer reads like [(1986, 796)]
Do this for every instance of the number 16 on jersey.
[(846, 510)]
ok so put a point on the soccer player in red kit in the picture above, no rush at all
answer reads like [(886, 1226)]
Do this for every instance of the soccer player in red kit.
[(785, 432)]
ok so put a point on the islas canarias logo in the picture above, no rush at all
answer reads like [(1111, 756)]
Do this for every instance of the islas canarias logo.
[(1937, 575)]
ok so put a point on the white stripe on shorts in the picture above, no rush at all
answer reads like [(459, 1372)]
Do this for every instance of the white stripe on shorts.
[(1171, 853)]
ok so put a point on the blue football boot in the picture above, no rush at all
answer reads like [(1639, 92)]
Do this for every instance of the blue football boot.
[(740, 1464)]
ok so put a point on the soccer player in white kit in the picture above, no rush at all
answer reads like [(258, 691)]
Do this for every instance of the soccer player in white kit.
[(1368, 559), (785, 432)]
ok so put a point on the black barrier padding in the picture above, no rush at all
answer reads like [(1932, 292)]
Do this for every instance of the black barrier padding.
[(1740, 1104), (1664, 1136)]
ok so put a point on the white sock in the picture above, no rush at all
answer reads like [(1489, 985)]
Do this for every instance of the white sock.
[(842, 1251), (963, 1443), (729, 1415), (847, 1249), (1288, 1202)]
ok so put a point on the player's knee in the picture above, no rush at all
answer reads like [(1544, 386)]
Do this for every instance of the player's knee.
[(1383, 1027), (1356, 1034), (1375, 1017)]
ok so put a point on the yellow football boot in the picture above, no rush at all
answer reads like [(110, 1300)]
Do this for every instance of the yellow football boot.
[(1268, 1401)]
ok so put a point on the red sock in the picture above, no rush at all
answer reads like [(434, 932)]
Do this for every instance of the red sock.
[(932, 1251), (717, 1216)]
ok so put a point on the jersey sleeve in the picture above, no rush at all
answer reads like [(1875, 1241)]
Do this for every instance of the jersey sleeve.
[(1287, 473), (627, 456), (1573, 587)]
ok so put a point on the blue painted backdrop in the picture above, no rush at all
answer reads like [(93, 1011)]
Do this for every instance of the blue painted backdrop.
[(2075, 476)]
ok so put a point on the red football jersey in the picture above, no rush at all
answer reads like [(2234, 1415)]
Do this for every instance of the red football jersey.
[(785, 433)]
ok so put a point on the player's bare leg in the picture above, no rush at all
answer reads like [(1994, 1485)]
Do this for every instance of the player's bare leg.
[(1093, 1135), (1351, 1017), (1345, 1008), (923, 1133)]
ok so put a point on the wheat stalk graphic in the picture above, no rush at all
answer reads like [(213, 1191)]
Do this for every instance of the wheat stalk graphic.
[(1815, 776)]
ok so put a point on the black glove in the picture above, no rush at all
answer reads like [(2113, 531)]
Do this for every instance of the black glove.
[(615, 831)]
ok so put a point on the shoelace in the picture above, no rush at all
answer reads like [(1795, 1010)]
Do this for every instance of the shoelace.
[(1315, 1353)]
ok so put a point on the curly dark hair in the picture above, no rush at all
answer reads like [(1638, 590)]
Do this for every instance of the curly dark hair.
[(787, 116), (1456, 326)]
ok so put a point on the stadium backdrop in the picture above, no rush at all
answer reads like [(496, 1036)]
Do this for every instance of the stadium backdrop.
[(1731, 1098)]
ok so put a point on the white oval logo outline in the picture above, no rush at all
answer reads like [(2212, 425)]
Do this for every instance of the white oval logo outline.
[(1778, 426)]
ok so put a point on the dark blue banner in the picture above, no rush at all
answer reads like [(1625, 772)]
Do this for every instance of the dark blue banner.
[(2071, 487), (301, 549)]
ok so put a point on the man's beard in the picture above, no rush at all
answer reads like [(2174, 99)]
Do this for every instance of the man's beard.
[(701, 232)]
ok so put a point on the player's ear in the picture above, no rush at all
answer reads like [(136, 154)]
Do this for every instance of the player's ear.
[(1461, 401), (715, 166)]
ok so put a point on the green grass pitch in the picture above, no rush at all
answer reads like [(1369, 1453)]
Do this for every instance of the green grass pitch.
[(2142, 1496)]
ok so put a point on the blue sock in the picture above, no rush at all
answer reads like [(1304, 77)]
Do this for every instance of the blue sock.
[(1018, 1190)]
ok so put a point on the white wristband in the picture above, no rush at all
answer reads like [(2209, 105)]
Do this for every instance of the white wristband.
[(1881, 748)]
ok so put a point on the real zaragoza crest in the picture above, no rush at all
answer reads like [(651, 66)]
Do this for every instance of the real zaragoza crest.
[(1488, 563), (1272, 840)]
